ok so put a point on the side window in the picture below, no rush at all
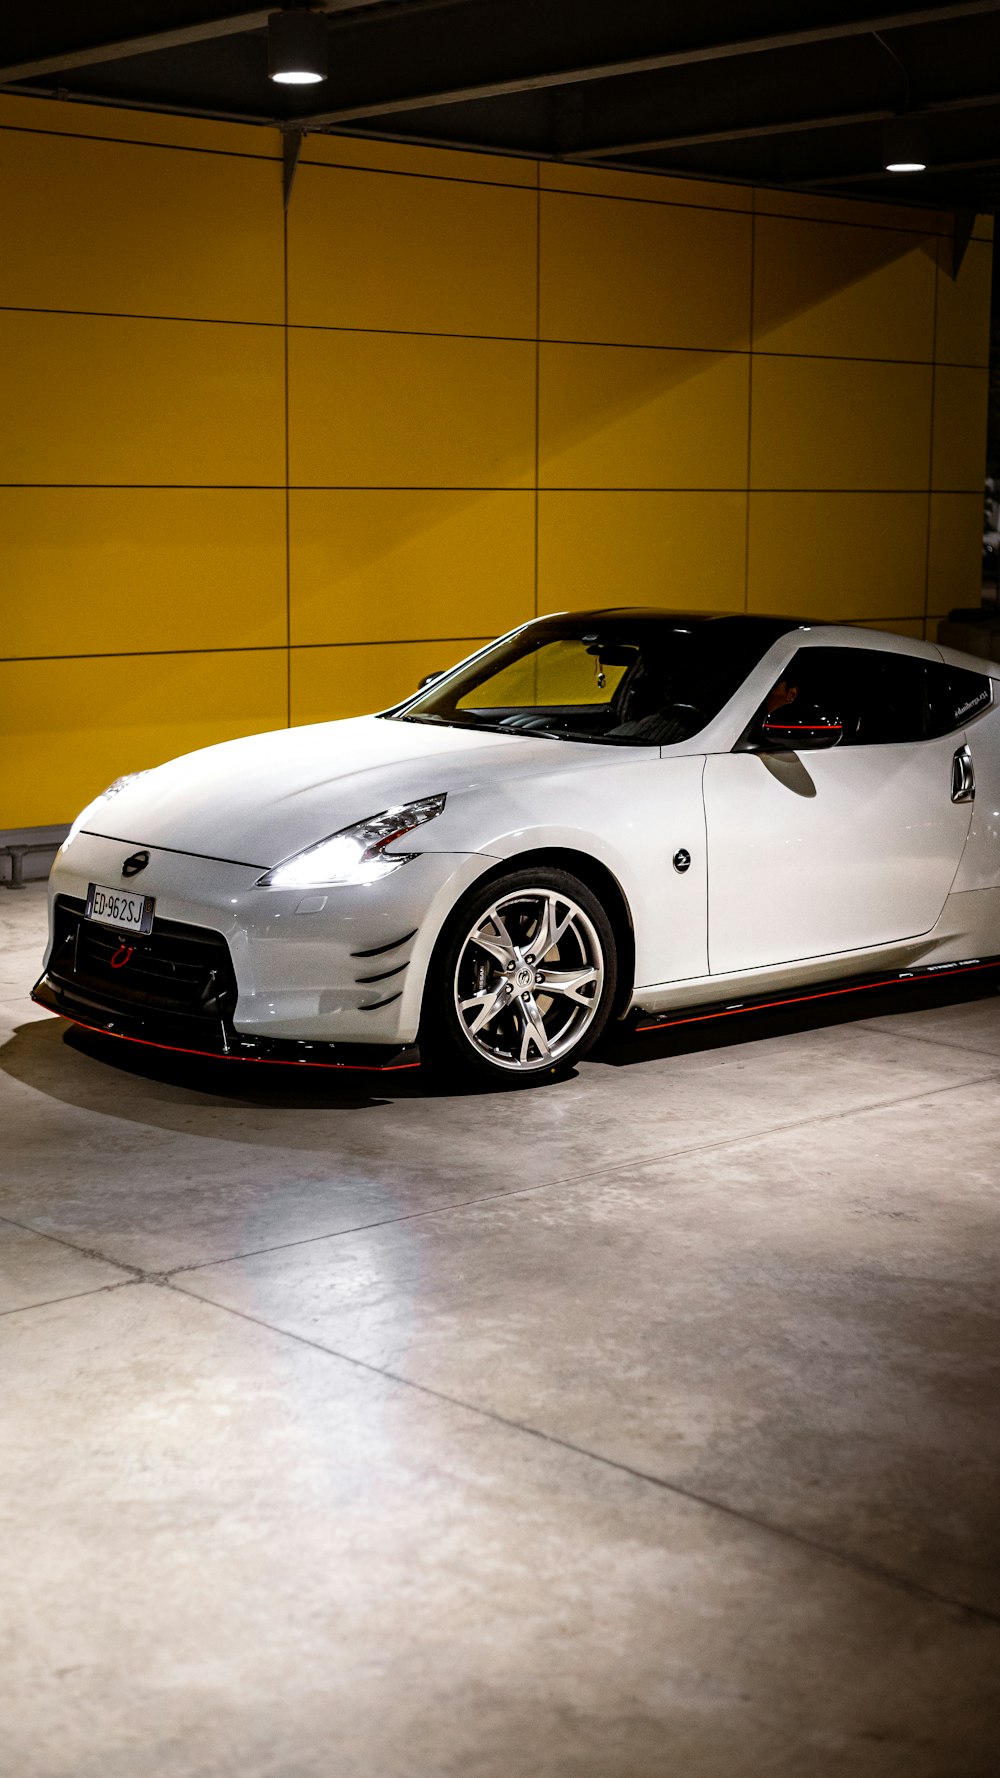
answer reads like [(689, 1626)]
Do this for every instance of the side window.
[(812, 678), (878, 697), (954, 697), (892, 698)]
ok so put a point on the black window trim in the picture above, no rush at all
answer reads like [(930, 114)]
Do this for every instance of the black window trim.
[(749, 738)]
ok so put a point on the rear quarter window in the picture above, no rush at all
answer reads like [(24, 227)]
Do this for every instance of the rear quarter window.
[(954, 697)]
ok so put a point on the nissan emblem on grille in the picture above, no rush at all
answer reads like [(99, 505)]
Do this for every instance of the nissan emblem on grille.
[(136, 862)]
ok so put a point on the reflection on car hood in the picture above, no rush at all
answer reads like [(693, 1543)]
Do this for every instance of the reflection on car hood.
[(258, 800)]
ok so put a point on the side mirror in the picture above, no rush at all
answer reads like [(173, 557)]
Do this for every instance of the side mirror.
[(429, 678), (801, 726)]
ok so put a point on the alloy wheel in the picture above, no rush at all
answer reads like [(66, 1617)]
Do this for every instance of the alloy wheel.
[(529, 979)]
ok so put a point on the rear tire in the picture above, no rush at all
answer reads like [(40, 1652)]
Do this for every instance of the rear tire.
[(523, 979)]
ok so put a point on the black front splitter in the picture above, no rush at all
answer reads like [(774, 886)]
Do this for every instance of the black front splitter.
[(212, 1038)]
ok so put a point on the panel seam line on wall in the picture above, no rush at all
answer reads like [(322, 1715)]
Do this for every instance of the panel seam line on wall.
[(139, 315), (461, 488), (242, 154), (621, 197), (930, 444), (538, 366), (288, 533), (13, 660), (522, 339), (128, 654), (750, 355), (565, 191), (615, 197), (440, 178)]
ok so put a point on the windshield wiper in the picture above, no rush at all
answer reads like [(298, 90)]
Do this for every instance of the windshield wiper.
[(474, 728), (530, 734)]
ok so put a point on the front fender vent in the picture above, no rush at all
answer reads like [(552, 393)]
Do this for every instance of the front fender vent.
[(381, 950), (374, 1005)]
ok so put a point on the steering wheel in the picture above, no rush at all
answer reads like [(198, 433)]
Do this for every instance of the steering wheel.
[(690, 716)]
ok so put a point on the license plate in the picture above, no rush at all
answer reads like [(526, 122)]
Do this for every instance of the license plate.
[(117, 908)]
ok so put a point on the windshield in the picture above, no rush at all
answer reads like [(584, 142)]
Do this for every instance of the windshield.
[(622, 678)]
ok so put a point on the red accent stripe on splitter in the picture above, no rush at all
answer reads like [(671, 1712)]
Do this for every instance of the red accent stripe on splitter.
[(892, 981), (176, 1049)]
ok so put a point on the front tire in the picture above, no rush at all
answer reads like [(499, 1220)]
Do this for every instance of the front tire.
[(523, 979)]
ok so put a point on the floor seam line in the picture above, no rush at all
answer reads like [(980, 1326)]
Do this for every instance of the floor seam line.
[(859, 1565), (820, 1117), (524, 1191), (141, 1273), (72, 1296), (120, 1265)]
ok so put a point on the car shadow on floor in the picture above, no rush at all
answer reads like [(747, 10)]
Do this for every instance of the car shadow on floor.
[(69, 1063), (730, 1030)]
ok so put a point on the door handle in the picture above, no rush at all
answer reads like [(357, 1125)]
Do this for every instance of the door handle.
[(963, 777)]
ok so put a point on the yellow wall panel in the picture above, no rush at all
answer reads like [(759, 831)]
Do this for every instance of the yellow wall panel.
[(414, 158), (92, 398), (353, 681), (963, 305), (682, 552), (841, 557), (125, 570), (385, 563), (629, 417), (72, 118), (643, 274), (78, 235), (394, 410), (651, 188), (423, 255), (839, 424), (850, 292), (959, 428), (71, 726), (148, 455), (954, 569)]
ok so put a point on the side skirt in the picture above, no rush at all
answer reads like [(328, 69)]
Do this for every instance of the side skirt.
[(859, 984)]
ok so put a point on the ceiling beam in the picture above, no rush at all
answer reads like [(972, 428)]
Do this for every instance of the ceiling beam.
[(501, 87), (95, 55), (750, 132), (744, 133)]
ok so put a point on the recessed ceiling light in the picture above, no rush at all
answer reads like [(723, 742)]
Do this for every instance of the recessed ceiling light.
[(297, 47)]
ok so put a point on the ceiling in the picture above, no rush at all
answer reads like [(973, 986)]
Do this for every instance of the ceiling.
[(777, 92)]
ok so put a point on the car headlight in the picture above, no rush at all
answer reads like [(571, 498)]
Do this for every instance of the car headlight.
[(112, 790), (356, 854)]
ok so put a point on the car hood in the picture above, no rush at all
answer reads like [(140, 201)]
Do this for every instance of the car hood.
[(258, 800)]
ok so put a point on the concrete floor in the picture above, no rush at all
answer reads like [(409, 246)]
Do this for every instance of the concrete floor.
[(645, 1424)]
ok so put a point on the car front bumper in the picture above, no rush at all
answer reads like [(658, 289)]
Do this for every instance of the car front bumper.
[(341, 966)]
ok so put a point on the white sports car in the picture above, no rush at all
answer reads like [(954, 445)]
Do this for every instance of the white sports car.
[(601, 814)]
